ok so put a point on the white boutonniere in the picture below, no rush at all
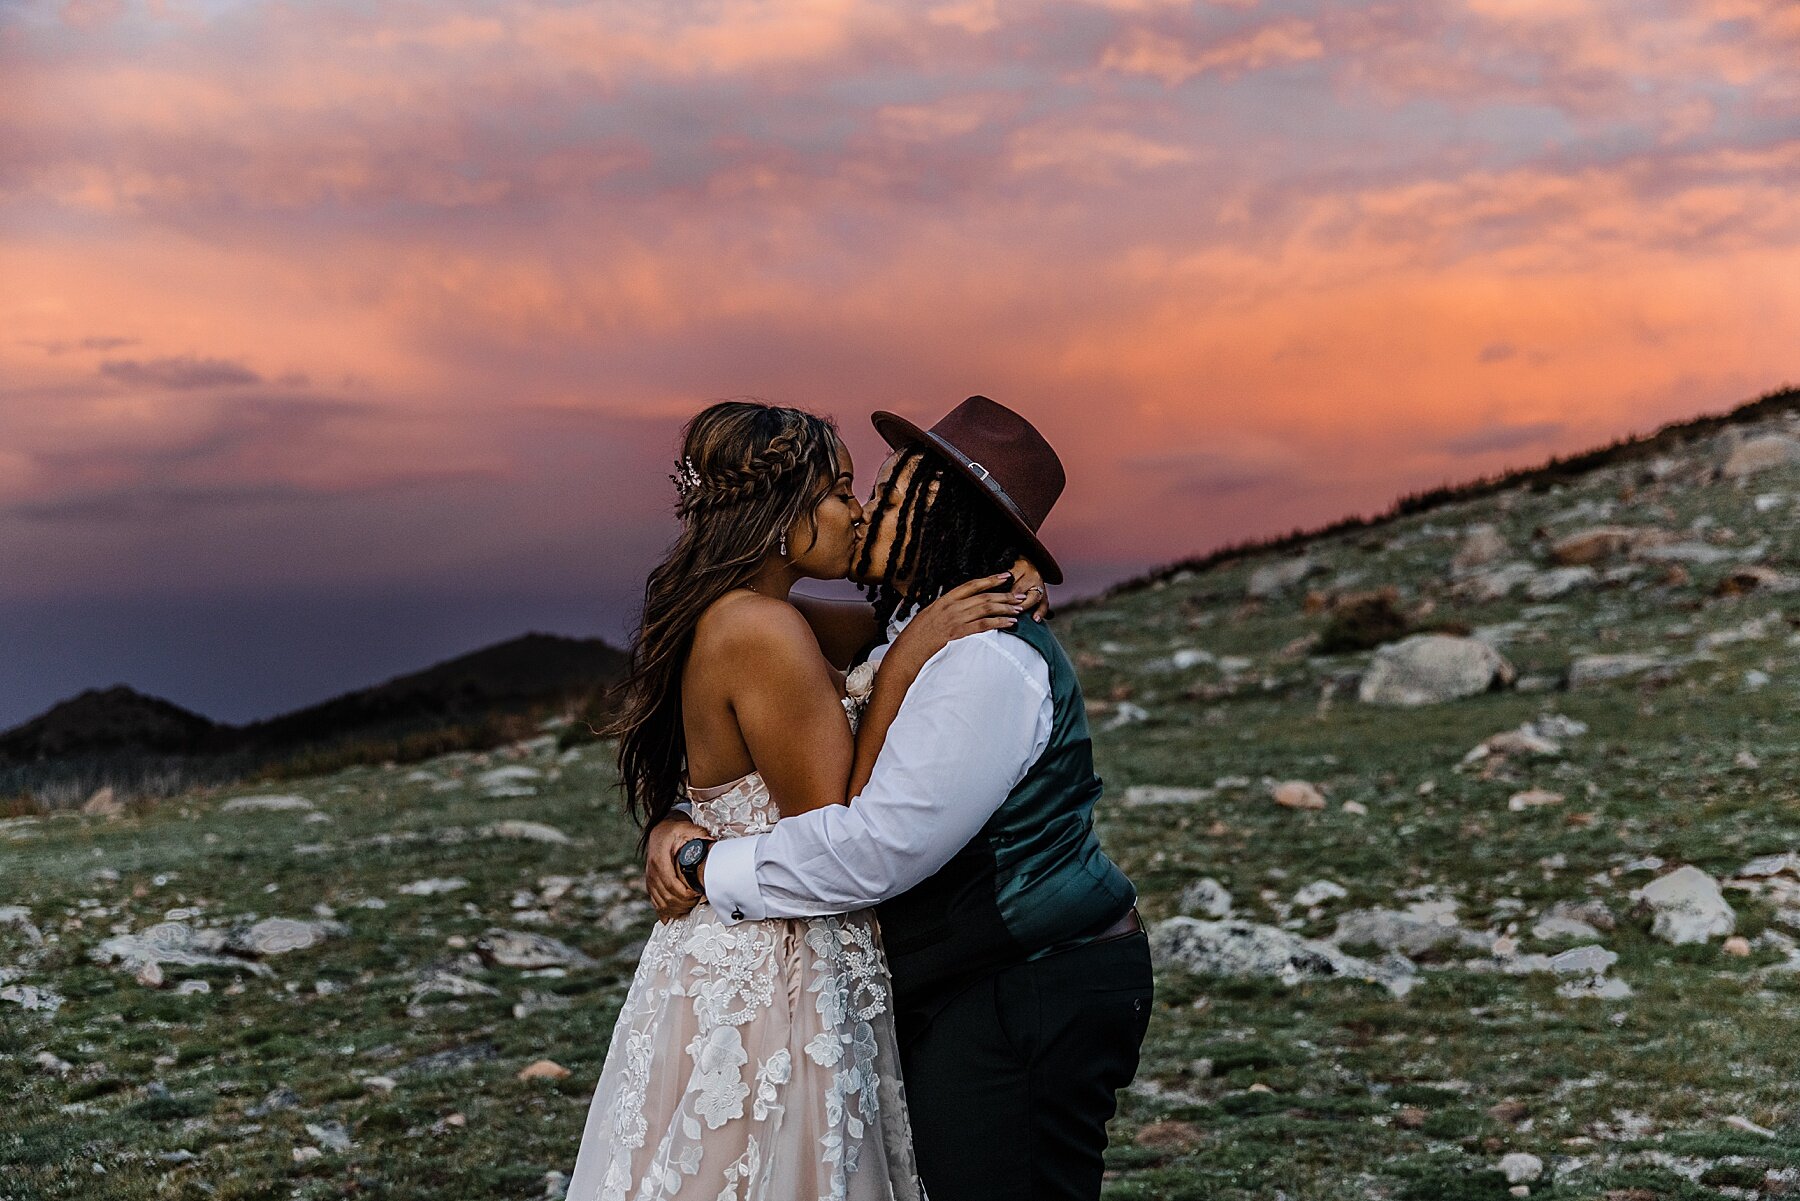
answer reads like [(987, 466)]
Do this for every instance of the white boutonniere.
[(860, 682)]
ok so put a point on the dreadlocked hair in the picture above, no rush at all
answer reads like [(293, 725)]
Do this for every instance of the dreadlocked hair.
[(752, 470), (942, 538)]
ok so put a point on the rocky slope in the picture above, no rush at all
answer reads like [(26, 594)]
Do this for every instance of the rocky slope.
[(1470, 840)]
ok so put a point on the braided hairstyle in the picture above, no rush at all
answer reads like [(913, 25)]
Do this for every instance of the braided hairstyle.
[(749, 472), (948, 532)]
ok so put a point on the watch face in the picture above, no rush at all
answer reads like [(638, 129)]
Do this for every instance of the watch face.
[(690, 853)]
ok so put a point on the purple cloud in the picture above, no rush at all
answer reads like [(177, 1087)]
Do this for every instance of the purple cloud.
[(57, 346), (183, 372), (1503, 437)]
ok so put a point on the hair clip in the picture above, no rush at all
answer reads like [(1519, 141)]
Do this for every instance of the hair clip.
[(686, 477)]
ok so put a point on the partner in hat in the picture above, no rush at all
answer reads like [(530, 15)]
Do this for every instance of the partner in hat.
[(756, 1059), (1019, 967)]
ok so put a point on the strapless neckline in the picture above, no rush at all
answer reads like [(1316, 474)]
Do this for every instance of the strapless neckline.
[(713, 792)]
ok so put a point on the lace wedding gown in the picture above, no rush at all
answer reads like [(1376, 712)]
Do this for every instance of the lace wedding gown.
[(753, 1062)]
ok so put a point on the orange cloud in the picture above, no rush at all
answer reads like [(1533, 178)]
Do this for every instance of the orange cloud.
[(1174, 61), (308, 271)]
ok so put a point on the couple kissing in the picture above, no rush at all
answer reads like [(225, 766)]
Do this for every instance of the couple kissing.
[(893, 961)]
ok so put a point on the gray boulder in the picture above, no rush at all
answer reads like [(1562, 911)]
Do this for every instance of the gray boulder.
[(20, 917), (1759, 454), (1782, 863), (442, 980), (171, 944), (522, 949), (1687, 905), (273, 804), (1206, 897), (1584, 973), (1235, 947), (1494, 583), (1702, 553), (32, 996), (1550, 928), (279, 935), (1165, 794), (1521, 1166), (1428, 669), (1588, 670), (1548, 585), (1574, 919), (527, 832), (1420, 927), (1272, 579), (511, 780), (1481, 545)]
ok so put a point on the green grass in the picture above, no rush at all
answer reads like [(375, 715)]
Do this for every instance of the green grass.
[(1618, 1095)]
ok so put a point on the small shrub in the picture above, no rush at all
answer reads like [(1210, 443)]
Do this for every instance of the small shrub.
[(168, 1109), (1363, 624), (1453, 1123), (1457, 1180), (1739, 1175)]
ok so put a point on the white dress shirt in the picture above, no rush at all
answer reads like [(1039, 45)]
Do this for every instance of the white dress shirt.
[(968, 730)]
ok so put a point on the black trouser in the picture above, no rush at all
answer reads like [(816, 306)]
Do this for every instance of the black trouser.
[(1011, 1081)]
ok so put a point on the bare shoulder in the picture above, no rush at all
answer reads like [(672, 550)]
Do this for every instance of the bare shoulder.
[(755, 629)]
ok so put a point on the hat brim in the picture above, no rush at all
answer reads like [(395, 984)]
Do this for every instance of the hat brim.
[(900, 433)]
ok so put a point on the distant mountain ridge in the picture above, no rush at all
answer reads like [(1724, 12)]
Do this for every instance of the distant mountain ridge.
[(531, 670), (524, 686), (108, 720)]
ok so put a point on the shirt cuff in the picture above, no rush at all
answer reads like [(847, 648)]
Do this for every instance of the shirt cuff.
[(731, 880), (685, 808)]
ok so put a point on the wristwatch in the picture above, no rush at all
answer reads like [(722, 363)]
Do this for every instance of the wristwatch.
[(689, 856)]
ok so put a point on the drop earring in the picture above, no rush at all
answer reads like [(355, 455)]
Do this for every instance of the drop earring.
[(782, 550)]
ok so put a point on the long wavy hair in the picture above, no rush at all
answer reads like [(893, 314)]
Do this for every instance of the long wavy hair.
[(755, 470)]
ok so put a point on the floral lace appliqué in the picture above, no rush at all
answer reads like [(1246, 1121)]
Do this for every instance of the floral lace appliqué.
[(719, 1058), (756, 1061)]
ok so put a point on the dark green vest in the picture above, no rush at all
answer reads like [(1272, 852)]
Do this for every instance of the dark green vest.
[(1032, 880)]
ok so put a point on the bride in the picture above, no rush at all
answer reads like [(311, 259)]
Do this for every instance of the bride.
[(757, 1062)]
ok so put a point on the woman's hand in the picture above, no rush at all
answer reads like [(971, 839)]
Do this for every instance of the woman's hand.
[(1028, 583), (669, 893), (966, 609)]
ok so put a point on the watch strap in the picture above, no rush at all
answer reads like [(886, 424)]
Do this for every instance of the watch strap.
[(691, 871)]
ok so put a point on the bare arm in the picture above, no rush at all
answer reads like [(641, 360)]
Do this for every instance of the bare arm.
[(792, 723), (786, 704)]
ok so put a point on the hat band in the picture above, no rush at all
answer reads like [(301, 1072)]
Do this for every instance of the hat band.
[(981, 473)]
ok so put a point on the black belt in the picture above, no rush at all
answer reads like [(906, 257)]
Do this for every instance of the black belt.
[(1131, 923), (1125, 927)]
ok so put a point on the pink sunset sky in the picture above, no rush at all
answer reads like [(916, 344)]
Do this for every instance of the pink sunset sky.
[(337, 338)]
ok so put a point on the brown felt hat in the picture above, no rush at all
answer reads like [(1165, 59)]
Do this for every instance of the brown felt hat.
[(1003, 455)]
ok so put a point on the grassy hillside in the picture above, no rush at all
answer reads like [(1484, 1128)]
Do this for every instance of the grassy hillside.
[(385, 1059)]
